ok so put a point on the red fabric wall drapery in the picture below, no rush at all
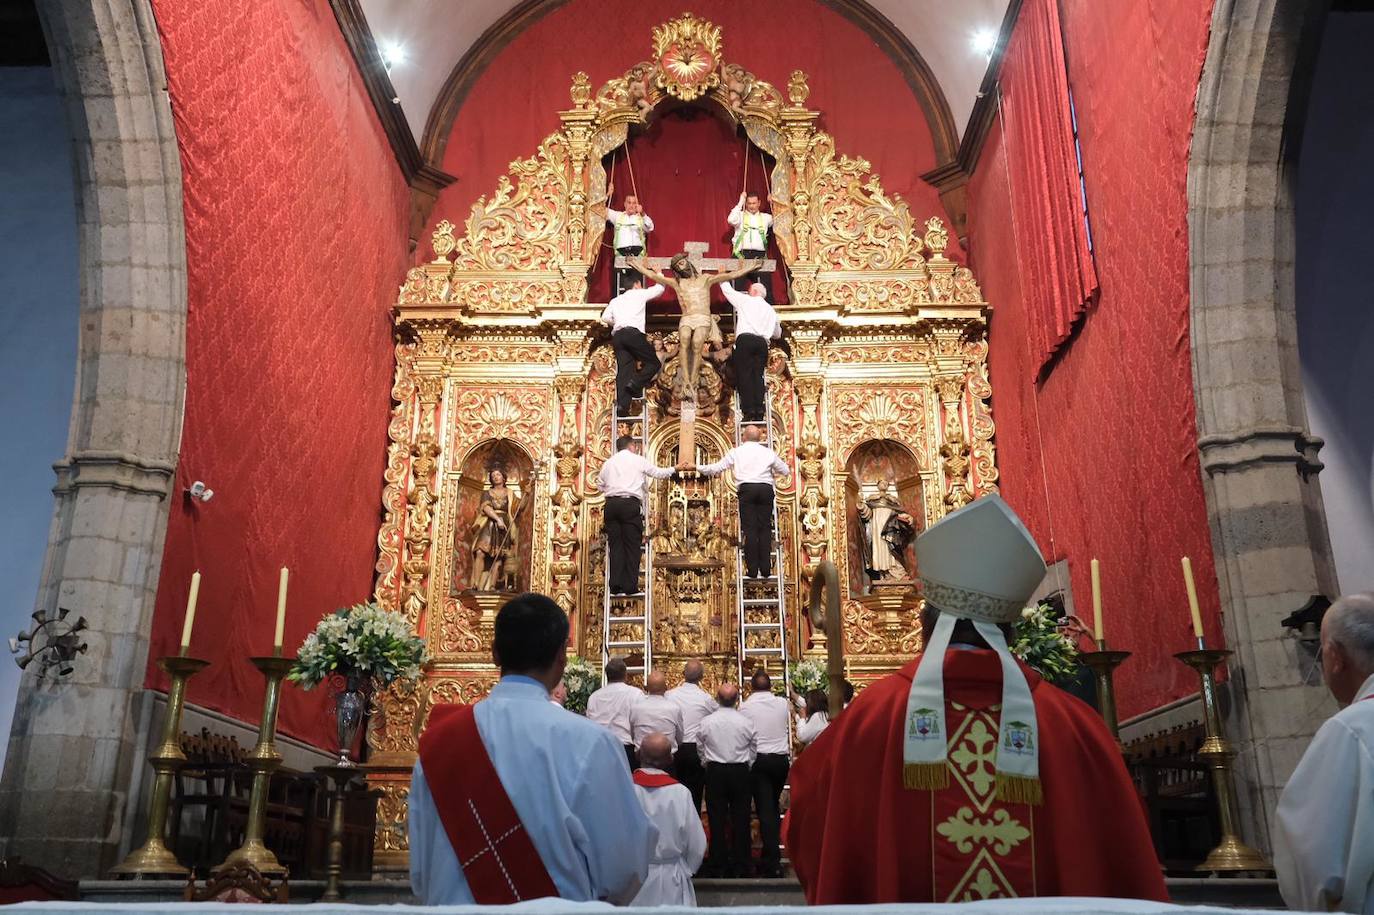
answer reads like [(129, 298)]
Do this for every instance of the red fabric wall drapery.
[(1043, 172), (688, 166), (863, 98), (296, 223), (1101, 457)]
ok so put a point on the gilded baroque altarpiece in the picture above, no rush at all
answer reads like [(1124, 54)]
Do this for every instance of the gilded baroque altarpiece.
[(501, 364)]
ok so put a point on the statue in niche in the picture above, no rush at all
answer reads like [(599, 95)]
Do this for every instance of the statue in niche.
[(495, 535), (888, 529)]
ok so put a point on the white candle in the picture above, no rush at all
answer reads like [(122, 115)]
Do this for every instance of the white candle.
[(1192, 597), (1097, 602), (190, 612), (281, 612)]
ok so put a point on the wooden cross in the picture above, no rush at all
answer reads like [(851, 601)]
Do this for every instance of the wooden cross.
[(696, 253)]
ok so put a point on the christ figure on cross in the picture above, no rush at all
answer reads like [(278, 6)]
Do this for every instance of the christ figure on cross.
[(697, 329)]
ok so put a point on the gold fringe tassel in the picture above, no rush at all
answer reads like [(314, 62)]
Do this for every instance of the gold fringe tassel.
[(1018, 789), (926, 776)]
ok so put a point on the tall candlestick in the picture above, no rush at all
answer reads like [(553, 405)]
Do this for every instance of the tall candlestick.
[(190, 613), (1097, 602), (1192, 597), (281, 612)]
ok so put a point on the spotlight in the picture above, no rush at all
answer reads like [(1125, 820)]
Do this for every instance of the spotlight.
[(393, 53), (984, 40)]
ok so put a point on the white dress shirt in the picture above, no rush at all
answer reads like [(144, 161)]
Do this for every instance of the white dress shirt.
[(726, 736), (610, 707), (751, 229), (570, 784), (753, 314), (1324, 840), (696, 704), (625, 474), (770, 714), (753, 462), (629, 230), (808, 729), (656, 715), (627, 309), (681, 845)]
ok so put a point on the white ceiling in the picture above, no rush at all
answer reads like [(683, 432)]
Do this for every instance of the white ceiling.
[(437, 33)]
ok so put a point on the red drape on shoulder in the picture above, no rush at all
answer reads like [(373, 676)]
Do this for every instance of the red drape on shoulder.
[(856, 835)]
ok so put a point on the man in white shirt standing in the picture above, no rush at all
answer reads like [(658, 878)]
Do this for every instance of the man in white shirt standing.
[(756, 466), (1324, 844), (695, 704), (622, 481), (681, 840), (770, 716), (756, 323), (636, 363), (610, 705), (656, 713), (631, 228), (751, 230), (728, 744)]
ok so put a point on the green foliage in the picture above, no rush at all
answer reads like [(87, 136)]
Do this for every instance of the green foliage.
[(580, 679), (360, 643), (1039, 641)]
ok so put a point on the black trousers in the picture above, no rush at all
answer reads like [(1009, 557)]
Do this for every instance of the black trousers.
[(756, 527), (750, 254), (636, 364), (624, 524), (690, 772), (767, 779), (749, 358), (625, 276), (632, 756), (727, 810)]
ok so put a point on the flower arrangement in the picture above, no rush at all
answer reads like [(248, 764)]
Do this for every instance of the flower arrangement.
[(581, 680), (1040, 641), (363, 644), (808, 675)]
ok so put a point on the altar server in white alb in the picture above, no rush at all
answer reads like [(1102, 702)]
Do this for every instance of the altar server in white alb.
[(751, 231), (1324, 843), (681, 840), (756, 323), (631, 228), (636, 363), (755, 466)]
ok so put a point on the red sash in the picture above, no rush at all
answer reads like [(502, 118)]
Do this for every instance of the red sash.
[(500, 862), (653, 779)]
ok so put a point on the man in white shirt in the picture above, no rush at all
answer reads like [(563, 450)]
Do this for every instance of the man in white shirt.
[(577, 829), (656, 713), (751, 230), (636, 363), (1323, 843), (770, 716), (756, 323), (610, 705), (631, 228), (755, 466), (622, 480), (681, 840), (728, 744), (695, 704)]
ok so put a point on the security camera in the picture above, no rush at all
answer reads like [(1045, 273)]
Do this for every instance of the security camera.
[(200, 492)]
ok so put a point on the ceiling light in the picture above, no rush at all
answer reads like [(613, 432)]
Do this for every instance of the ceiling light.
[(984, 41), (393, 53)]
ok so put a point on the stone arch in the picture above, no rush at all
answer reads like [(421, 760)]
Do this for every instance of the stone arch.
[(110, 515), (1258, 458)]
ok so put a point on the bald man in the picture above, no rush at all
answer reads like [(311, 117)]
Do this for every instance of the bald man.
[(756, 323), (656, 713), (695, 704), (1324, 846), (681, 840), (729, 744)]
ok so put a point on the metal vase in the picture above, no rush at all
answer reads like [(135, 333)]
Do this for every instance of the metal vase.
[(349, 707)]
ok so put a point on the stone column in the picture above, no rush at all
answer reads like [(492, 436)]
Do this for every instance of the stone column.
[(73, 750)]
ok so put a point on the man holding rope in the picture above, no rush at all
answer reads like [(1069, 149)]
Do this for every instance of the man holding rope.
[(751, 233), (631, 226)]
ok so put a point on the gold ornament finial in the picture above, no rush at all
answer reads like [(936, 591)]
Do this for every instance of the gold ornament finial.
[(687, 56), (443, 242), (937, 236), (797, 88), (581, 90)]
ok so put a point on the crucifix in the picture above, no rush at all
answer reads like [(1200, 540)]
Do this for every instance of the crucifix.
[(697, 328)]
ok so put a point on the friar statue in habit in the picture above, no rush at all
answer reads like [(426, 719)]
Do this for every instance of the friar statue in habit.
[(888, 530), (697, 330)]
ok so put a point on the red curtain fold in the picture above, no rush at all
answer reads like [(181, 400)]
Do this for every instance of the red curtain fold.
[(1047, 203)]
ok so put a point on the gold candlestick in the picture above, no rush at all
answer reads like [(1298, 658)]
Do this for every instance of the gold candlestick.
[(1231, 854), (263, 761), (153, 858), (340, 777), (1103, 663)]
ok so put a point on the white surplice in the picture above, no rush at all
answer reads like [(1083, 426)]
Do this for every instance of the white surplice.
[(681, 845), (568, 780), (1324, 840)]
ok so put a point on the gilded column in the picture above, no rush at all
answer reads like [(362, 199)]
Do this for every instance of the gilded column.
[(567, 500), (954, 448)]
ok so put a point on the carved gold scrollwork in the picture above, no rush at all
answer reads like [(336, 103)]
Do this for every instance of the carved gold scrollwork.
[(687, 52), (954, 449)]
